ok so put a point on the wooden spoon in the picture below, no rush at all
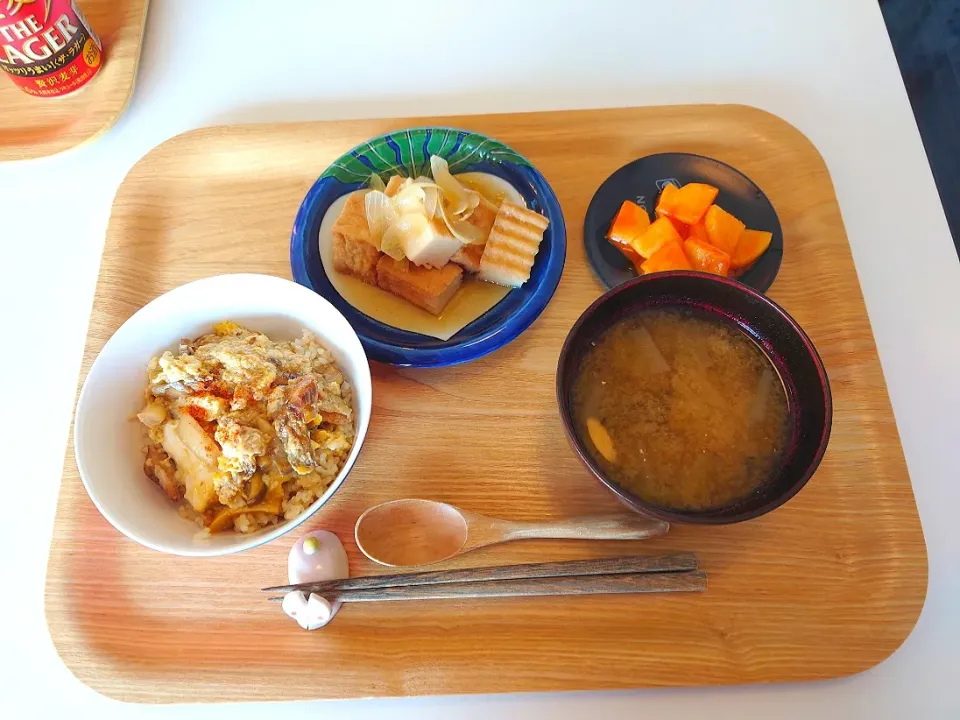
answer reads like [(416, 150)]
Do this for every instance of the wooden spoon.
[(401, 533)]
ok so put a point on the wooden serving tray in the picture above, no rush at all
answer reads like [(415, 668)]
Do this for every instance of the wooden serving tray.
[(33, 127), (828, 585)]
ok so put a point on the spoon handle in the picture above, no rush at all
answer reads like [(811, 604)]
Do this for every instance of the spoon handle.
[(613, 527)]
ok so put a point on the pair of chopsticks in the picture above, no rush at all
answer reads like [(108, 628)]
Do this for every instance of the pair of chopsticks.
[(639, 574)]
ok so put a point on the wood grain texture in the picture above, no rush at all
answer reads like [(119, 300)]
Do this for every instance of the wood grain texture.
[(33, 127), (828, 585)]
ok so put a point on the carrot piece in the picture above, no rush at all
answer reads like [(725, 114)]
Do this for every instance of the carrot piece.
[(751, 245), (699, 231), (631, 221), (723, 229), (669, 257), (660, 232), (705, 257)]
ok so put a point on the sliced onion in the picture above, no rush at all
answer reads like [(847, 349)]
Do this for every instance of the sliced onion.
[(431, 199), (409, 199), (463, 231), (466, 233), (381, 214), (406, 228), (457, 198), (391, 244), (376, 183), (473, 201)]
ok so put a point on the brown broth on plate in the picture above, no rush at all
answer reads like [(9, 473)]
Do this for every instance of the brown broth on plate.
[(683, 411)]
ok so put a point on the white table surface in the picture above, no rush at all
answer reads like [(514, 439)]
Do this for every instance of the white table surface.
[(824, 65)]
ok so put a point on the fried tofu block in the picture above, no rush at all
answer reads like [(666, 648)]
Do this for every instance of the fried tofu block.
[(353, 252), (428, 288), (512, 245), (484, 216), (434, 246), (468, 256)]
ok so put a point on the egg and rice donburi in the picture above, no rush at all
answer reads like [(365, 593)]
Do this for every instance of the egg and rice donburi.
[(244, 432)]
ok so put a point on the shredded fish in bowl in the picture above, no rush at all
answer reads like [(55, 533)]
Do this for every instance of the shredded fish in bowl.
[(244, 432)]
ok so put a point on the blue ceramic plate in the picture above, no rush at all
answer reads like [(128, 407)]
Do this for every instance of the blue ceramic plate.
[(408, 152), (642, 181)]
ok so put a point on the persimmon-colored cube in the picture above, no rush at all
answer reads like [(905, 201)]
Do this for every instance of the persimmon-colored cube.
[(669, 257), (694, 201), (660, 232), (683, 230), (688, 204), (723, 229), (629, 253), (706, 258), (631, 221), (751, 245), (665, 207), (667, 201), (699, 231)]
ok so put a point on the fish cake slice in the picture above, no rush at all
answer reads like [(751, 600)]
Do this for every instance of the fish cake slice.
[(512, 245)]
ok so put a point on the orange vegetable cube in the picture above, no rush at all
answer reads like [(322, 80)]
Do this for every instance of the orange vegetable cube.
[(660, 232), (699, 231), (669, 257), (667, 202), (683, 230), (694, 201), (705, 257), (687, 204), (751, 245), (631, 221), (629, 253), (664, 208), (723, 229)]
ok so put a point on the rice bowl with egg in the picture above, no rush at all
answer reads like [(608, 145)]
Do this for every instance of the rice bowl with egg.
[(109, 439), (244, 432)]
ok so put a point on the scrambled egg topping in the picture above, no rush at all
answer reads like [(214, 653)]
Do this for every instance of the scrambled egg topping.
[(235, 419)]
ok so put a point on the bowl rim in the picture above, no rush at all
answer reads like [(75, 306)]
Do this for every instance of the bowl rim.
[(453, 351), (628, 498), (256, 539)]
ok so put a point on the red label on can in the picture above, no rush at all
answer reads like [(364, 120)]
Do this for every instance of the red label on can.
[(47, 47)]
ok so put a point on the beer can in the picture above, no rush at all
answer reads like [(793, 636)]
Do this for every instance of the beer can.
[(46, 46)]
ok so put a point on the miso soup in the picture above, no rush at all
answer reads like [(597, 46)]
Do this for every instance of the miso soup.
[(683, 410)]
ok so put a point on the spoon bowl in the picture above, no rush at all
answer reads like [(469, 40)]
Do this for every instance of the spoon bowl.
[(411, 532), (404, 533)]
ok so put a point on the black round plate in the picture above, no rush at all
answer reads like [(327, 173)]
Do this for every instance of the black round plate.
[(642, 180)]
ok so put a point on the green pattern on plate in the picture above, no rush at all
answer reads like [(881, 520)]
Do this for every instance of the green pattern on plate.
[(379, 155)]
